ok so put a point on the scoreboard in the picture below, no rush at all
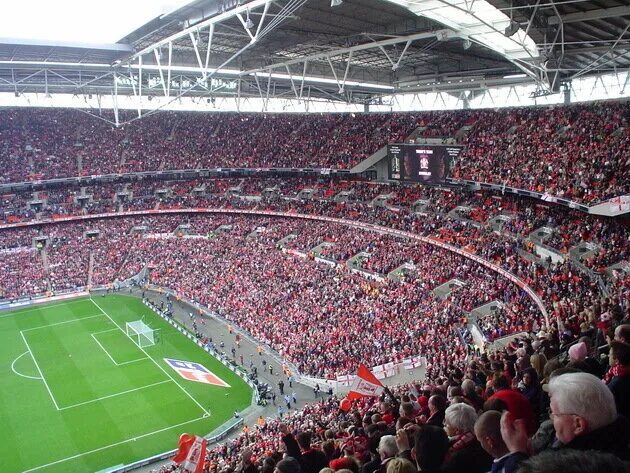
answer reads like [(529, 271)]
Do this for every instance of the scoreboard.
[(421, 163)]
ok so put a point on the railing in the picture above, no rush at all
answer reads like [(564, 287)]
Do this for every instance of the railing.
[(43, 298), (224, 431)]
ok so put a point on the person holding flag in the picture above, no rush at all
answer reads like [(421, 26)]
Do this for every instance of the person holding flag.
[(191, 454), (365, 384)]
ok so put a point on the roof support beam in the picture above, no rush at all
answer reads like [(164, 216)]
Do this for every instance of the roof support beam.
[(592, 15), (206, 23), (594, 64), (325, 56)]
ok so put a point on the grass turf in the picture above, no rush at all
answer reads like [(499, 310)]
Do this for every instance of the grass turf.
[(78, 395)]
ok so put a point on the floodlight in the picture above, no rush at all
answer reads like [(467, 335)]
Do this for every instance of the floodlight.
[(335, 3), (512, 28), (467, 44)]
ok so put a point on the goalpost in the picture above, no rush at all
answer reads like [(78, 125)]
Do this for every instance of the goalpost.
[(141, 333)]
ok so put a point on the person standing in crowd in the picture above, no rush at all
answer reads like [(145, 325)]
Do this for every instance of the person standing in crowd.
[(618, 377)]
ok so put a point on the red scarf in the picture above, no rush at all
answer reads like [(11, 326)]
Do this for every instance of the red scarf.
[(617, 370), (460, 442)]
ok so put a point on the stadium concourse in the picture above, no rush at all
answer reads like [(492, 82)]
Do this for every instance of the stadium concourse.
[(538, 381)]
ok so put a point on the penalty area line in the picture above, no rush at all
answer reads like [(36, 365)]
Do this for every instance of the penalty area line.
[(155, 362), (40, 371), (63, 323), (24, 310), (133, 439)]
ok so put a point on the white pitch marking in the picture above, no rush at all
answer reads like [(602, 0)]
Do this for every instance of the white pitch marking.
[(155, 362), (105, 331), (103, 348), (40, 371), (114, 395), (107, 353), (20, 374), (112, 445), (132, 361), (62, 323)]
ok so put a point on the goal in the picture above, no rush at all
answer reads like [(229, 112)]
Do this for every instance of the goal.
[(141, 333)]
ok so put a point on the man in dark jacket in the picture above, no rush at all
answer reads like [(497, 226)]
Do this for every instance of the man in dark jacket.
[(465, 453), (246, 465), (488, 433), (437, 406), (618, 378), (299, 447), (585, 416)]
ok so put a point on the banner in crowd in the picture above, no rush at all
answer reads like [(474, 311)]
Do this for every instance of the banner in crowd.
[(191, 454), (387, 370), (412, 362), (365, 384)]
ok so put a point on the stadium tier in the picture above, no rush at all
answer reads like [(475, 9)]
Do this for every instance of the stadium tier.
[(576, 152)]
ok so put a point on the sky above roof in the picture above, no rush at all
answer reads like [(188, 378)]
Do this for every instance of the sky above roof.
[(80, 21)]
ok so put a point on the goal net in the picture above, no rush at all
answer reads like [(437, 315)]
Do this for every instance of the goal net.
[(141, 333)]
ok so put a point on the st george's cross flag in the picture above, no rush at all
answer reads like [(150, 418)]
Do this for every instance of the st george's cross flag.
[(365, 384), (191, 454)]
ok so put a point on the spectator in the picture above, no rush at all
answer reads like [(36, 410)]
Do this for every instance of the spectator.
[(437, 408), (387, 450), (431, 447), (584, 417), (618, 378), (400, 465), (311, 461), (488, 433), (465, 452), (573, 461), (288, 465)]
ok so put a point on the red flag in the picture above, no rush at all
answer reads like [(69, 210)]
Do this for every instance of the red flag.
[(191, 453), (365, 384)]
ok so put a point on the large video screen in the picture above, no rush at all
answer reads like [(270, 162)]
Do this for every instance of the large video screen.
[(421, 163)]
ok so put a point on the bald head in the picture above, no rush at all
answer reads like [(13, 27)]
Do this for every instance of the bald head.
[(488, 432), (622, 333)]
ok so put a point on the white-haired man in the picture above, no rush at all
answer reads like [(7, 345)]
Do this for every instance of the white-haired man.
[(465, 452), (387, 449), (584, 417)]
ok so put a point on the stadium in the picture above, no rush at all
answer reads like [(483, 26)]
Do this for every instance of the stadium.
[(312, 236)]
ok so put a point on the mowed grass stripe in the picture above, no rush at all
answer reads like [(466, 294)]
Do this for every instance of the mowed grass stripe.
[(79, 371), (100, 434)]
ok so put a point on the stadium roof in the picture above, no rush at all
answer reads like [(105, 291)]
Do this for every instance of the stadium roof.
[(355, 51)]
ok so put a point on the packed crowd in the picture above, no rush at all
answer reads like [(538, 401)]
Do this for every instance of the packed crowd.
[(577, 152), (269, 294), (553, 282), (541, 404), (117, 256), (59, 143), (459, 218)]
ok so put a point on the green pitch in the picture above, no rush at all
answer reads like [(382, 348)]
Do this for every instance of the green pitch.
[(78, 395)]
